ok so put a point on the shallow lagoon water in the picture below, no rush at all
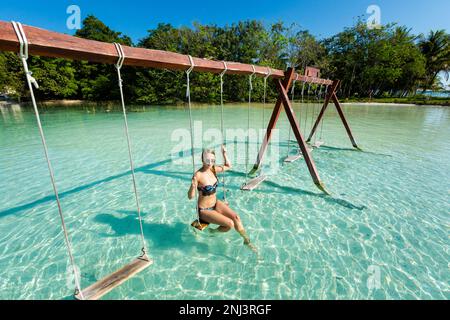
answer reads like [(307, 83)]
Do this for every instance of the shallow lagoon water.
[(384, 233)]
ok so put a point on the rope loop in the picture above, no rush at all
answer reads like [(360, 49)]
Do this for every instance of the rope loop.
[(224, 70), (250, 78), (23, 53), (189, 70), (269, 73), (121, 54)]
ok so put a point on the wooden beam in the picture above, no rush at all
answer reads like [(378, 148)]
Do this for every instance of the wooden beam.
[(58, 45)]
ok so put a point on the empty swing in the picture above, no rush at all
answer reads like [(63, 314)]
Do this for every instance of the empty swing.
[(318, 143), (310, 149), (291, 158), (253, 183), (108, 283), (105, 285), (321, 142), (313, 111)]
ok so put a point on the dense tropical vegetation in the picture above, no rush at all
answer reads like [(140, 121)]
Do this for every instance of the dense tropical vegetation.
[(385, 62)]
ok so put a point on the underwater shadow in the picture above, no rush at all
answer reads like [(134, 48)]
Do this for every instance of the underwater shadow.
[(145, 169), (163, 236), (297, 191), (330, 148)]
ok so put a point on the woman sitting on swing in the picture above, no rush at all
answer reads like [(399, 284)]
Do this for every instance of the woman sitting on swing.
[(210, 209)]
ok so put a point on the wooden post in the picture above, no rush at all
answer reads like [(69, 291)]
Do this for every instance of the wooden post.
[(283, 99), (332, 96), (344, 120)]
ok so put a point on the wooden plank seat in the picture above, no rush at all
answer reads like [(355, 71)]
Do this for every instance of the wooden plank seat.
[(293, 158), (108, 283), (254, 183)]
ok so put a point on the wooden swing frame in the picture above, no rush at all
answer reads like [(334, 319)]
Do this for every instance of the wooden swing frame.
[(53, 44)]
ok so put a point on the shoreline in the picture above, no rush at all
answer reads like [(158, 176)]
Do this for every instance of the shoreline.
[(396, 104), (68, 103), (386, 104)]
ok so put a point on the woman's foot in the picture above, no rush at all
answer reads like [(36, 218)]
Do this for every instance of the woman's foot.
[(249, 244)]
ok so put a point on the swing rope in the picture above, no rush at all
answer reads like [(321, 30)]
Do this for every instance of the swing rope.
[(118, 66), (313, 113), (250, 89), (303, 101), (316, 113), (32, 82), (269, 73), (307, 103), (292, 103), (188, 96), (323, 116), (222, 124)]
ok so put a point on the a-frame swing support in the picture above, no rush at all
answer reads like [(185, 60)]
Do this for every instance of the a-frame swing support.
[(283, 99), (331, 95), (52, 44)]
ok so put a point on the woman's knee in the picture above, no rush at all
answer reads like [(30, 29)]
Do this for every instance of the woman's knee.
[(229, 224)]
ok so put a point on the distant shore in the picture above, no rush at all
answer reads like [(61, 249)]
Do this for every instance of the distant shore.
[(402, 102), (382, 104), (410, 101)]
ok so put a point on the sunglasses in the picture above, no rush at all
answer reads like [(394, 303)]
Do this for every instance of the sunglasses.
[(209, 160)]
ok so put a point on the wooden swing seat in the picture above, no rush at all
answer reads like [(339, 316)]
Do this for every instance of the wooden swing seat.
[(254, 183), (318, 144), (115, 279), (200, 225), (293, 158)]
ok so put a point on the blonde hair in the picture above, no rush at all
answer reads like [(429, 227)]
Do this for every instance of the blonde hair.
[(209, 151)]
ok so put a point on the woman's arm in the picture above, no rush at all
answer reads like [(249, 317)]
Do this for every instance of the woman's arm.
[(193, 188), (227, 164)]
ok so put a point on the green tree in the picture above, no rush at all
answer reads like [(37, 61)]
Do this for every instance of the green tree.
[(99, 81), (375, 61), (56, 78), (436, 49)]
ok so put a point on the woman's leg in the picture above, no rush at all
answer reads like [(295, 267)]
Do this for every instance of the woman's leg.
[(214, 217), (222, 208)]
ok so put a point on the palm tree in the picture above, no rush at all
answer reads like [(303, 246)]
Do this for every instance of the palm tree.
[(436, 50)]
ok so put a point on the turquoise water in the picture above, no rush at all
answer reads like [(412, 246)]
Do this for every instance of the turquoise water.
[(384, 234)]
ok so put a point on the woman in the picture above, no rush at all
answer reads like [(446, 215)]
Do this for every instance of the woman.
[(210, 209)]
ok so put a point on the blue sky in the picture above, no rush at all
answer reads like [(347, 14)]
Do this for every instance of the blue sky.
[(322, 18)]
